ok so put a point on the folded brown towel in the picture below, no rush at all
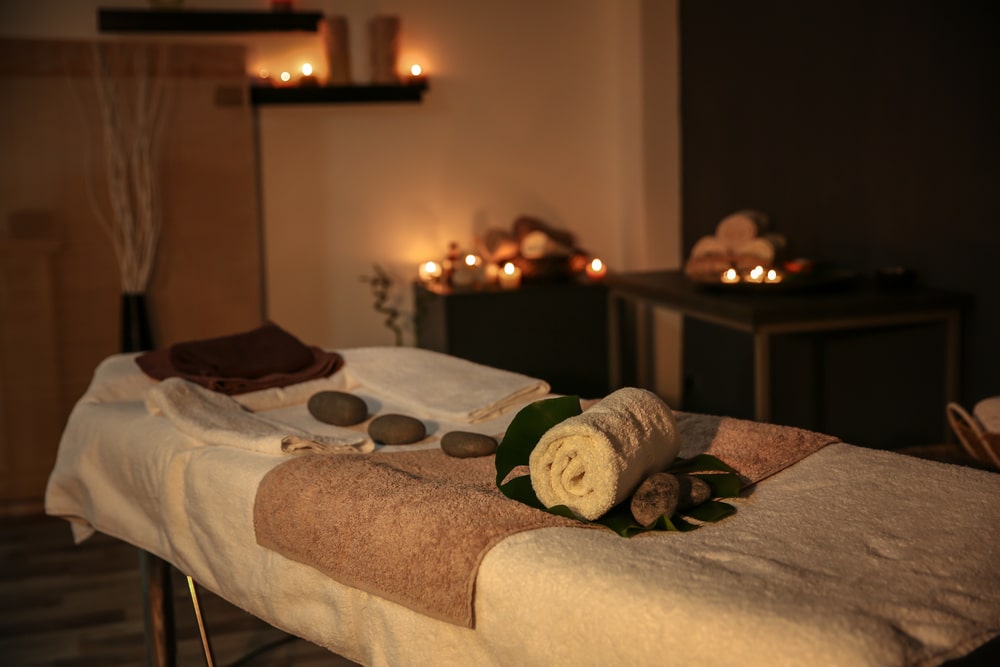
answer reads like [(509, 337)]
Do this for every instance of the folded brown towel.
[(251, 354), (267, 356), (754, 449), (412, 527)]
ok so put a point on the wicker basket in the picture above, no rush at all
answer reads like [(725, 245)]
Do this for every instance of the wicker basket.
[(982, 445)]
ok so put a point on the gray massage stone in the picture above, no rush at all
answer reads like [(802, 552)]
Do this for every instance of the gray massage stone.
[(465, 445), (693, 491), (394, 429), (338, 408), (656, 496)]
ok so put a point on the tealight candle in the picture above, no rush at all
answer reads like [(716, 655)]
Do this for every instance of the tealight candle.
[(307, 78), (596, 269), (756, 274), (509, 276), (416, 73), (772, 276), (429, 271), (730, 277)]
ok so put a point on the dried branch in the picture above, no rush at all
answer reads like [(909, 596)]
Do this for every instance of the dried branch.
[(381, 284)]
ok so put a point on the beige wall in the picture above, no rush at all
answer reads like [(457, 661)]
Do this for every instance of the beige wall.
[(561, 109)]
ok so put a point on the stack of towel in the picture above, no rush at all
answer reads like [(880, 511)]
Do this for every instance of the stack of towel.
[(593, 461)]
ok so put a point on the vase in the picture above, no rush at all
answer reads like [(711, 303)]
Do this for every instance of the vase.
[(135, 334)]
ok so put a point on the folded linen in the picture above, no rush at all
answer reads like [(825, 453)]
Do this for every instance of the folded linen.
[(217, 419), (595, 460), (438, 385)]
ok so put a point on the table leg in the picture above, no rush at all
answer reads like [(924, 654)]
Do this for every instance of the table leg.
[(158, 608), (762, 376)]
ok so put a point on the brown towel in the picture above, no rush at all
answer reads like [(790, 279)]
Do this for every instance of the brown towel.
[(412, 527), (754, 449), (267, 356)]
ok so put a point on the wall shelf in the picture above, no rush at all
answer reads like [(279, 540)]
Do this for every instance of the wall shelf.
[(195, 20), (409, 92)]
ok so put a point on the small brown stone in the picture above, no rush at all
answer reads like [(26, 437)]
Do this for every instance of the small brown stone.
[(338, 408), (395, 429), (465, 444), (693, 491), (656, 496)]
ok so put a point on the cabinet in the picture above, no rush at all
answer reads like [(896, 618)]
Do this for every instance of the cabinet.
[(556, 331)]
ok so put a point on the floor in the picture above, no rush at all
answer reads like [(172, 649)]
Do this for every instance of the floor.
[(63, 605)]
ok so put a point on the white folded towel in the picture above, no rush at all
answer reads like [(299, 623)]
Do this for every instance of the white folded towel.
[(217, 419), (438, 385), (595, 460)]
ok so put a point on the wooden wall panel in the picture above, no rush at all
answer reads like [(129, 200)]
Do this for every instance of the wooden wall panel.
[(207, 277)]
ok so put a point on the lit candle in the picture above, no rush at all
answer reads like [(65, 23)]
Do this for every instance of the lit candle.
[(429, 271), (773, 276), (285, 77), (416, 73), (307, 78), (468, 272), (510, 276), (756, 274), (596, 269), (730, 277)]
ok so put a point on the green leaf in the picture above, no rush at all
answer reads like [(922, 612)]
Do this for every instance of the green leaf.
[(724, 485), (520, 489), (710, 511), (527, 428), (699, 463)]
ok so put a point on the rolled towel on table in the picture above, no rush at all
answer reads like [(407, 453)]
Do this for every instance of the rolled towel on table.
[(595, 460)]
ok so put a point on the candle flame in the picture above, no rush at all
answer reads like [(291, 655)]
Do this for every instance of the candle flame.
[(596, 264), (509, 268), (416, 70), (307, 69), (471, 260), (285, 76), (730, 275), (772, 274), (757, 272)]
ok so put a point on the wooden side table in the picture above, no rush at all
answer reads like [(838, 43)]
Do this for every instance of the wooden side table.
[(556, 331), (765, 315)]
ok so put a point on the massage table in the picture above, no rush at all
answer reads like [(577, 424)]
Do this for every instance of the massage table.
[(851, 556)]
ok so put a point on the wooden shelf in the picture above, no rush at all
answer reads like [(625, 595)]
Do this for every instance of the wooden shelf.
[(195, 20), (409, 92)]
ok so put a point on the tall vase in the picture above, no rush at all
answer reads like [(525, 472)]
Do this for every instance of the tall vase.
[(135, 335)]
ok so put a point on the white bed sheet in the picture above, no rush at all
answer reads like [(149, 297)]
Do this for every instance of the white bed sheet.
[(851, 557)]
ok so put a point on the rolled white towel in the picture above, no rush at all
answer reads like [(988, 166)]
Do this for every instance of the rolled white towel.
[(595, 460)]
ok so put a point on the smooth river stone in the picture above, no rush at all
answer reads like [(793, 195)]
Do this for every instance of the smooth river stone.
[(656, 496), (396, 430), (693, 491), (338, 408), (466, 445)]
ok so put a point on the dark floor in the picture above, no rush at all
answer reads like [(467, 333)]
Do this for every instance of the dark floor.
[(63, 605)]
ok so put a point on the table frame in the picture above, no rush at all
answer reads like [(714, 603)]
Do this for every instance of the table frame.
[(762, 315)]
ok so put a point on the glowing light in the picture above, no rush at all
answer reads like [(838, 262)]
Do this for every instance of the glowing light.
[(756, 274), (596, 269), (286, 77), (307, 69), (773, 276), (730, 276), (416, 70), (509, 269), (429, 271), (471, 260), (263, 73)]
